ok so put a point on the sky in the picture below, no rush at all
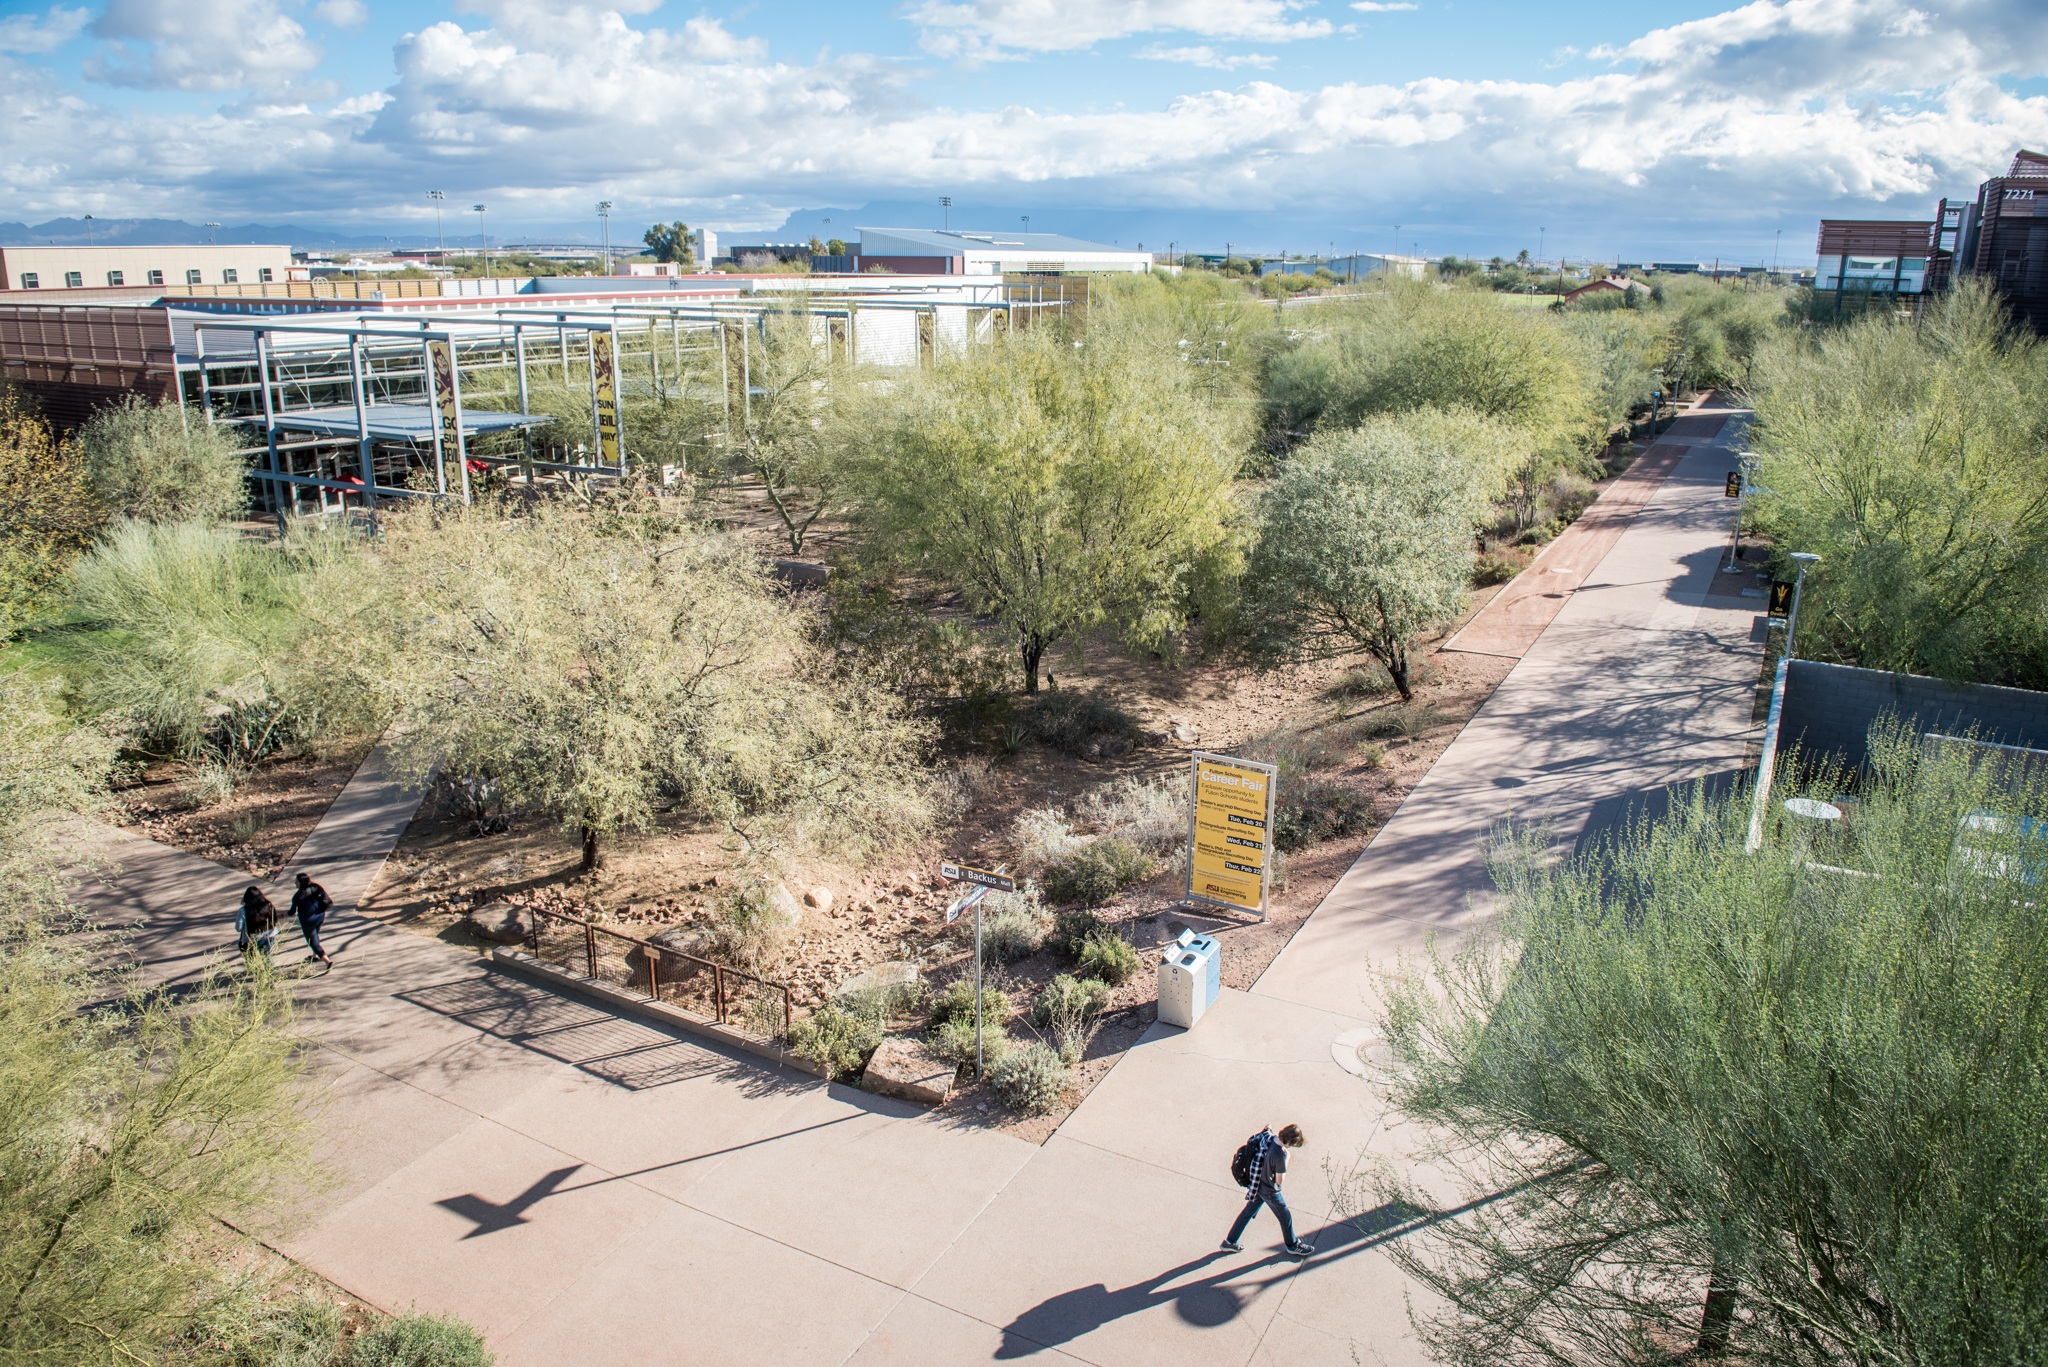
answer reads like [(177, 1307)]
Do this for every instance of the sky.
[(1589, 128)]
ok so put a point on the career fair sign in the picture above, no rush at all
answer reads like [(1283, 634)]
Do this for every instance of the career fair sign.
[(1230, 833)]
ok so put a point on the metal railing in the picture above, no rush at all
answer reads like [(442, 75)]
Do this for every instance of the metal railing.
[(697, 987)]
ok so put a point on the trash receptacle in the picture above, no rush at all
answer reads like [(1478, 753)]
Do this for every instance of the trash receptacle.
[(1190, 978)]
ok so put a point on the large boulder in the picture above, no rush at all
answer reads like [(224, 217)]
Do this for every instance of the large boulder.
[(905, 1068), (505, 923), (673, 944)]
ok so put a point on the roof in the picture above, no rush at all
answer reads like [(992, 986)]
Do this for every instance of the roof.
[(1877, 237), (956, 241), (1618, 283), (2028, 165), (399, 421)]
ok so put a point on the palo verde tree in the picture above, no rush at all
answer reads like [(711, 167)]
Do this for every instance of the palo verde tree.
[(1365, 539), (48, 514), (804, 406), (599, 665), (1913, 458), (158, 462), (1777, 1107), (1062, 486)]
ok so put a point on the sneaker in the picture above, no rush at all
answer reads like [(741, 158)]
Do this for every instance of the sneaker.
[(1301, 1250), (1232, 1246)]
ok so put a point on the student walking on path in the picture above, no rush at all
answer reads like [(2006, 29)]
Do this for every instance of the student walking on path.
[(310, 904), (1261, 1166), (256, 921)]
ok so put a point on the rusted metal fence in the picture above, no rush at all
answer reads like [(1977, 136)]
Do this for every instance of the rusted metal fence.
[(699, 987)]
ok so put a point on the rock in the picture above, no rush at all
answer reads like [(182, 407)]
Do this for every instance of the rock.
[(506, 923), (674, 943), (898, 973), (819, 897), (1183, 733), (905, 1068)]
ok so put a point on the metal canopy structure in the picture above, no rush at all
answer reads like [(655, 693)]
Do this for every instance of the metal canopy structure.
[(400, 421)]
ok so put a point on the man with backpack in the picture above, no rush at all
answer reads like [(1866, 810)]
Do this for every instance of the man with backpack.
[(310, 904), (1260, 1167)]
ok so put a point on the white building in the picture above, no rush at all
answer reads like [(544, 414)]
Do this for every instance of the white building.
[(74, 268), (1874, 257), (957, 251)]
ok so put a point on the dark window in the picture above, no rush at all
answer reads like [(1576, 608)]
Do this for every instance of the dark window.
[(30, 280), (156, 277), (191, 277), (115, 278), (263, 274), (73, 279), (228, 276)]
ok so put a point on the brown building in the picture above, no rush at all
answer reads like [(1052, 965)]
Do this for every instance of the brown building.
[(2005, 239)]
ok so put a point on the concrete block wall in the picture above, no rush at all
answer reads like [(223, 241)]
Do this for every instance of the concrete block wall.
[(1829, 709)]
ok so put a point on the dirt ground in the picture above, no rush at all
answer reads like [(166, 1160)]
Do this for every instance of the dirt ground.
[(258, 828)]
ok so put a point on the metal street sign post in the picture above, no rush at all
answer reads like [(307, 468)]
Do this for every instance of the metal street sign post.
[(981, 882)]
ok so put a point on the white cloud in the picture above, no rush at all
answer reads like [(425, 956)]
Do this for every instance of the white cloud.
[(984, 29), (536, 106), (26, 33), (1382, 6), (1208, 57), (341, 13), (200, 45)]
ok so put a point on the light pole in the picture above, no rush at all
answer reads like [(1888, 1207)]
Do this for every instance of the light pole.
[(211, 235), (946, 209), (1802, 559), (440, 238), (1777, 240), (482, 237), (604, 218), (88, 230), (1027, 221)]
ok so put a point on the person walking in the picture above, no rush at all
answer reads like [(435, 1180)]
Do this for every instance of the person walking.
[(256, 921), (1264, 1171), (310, 904)]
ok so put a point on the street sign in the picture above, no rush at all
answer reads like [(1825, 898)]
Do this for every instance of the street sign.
[(985, 878), (1781, 598), (971, 898), (1734, 486), (1230, 825)]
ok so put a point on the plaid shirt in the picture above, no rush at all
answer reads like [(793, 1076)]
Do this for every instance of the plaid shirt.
[(1268, 1160)]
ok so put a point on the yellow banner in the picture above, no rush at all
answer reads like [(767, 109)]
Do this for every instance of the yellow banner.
[(607, 398), (1233, 802), (444, 392)]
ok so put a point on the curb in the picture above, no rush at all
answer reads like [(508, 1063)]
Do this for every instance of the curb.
[(655, 1013)]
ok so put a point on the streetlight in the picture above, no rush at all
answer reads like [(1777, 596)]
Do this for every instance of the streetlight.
[(212, 236), (1802, 559), (604, 215), (482, 237), (88, 230), (440, 239), (946, 207), (1027, 221)]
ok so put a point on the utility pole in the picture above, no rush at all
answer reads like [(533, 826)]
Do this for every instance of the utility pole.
[(604, 215), (440, 238), (483, 237)]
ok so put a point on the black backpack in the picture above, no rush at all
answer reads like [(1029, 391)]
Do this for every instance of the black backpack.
[(1246, 1157)]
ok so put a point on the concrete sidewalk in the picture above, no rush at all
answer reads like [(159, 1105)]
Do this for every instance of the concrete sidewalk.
[(592, 1191)]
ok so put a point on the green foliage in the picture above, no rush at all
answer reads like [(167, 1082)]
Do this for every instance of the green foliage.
[(1031, 1078), (157, 462), (1912, 457), (956, 1003), (1151, 813), (1072, 929), (1108, 956), (1719, 327), (1784, 1103), (953, 1041), (1620, 351), (419, 1340), (805, 407), (596, 664), (752, 924), (1080, 725), (1012, 925), (48, 514), (1365, 543), (1068, 1006), (1312, 812), (669, 242), (1062, 488), (838, 1037), (1096, 872)]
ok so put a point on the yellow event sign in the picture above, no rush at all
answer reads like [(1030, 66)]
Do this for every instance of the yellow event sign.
[(601, 361), (1231, 831)]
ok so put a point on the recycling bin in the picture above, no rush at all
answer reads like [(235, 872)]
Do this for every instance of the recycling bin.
[(1190, 978)]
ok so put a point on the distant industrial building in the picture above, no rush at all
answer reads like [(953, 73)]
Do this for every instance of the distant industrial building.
[(76, 268), (2001, 237), (1358, 266), (938, 251)]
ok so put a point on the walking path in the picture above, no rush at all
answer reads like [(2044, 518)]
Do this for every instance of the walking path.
[(590, 1190)]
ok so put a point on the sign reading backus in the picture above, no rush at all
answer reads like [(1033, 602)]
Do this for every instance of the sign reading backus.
[(1230, 831)]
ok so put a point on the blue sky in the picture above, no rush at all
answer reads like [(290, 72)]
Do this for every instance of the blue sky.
[(1594, 129)]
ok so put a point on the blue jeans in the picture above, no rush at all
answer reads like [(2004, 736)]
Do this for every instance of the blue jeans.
[(1270, 1196), (309, 926)]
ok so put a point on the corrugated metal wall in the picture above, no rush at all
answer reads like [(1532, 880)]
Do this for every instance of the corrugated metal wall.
[(75, 359)]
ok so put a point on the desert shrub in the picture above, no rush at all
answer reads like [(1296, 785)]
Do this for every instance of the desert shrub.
[(1071, 929), (1032, 1078), (1081, 725), (1492, 568), (1369, 680), (751, 925), (1151, 813), (1297, 754), (1109, 957), (1097, 871), (956, 1002), (1315, 811), (156, 463), (892, 1001), (47, 512), (416, 1340), (1407, 721), (837, 1037), (1012, 924), (1042, 837), (1067, 1007), (953, 1041)]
